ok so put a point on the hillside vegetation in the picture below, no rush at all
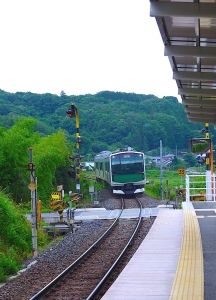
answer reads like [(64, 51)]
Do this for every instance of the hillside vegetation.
[(108, 120)]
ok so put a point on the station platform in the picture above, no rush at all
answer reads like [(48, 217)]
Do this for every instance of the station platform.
[(175, 261)]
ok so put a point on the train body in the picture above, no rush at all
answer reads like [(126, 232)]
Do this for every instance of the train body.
[(123, 170)]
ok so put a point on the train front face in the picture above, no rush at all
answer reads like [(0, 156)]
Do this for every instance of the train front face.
[(127, 172)]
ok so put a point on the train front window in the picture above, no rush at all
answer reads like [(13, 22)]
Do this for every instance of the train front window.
[(127, 162)]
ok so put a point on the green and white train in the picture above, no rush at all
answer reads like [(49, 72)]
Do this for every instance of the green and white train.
[(123, 170)]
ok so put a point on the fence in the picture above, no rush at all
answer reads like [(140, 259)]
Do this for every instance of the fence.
[(200, 187)]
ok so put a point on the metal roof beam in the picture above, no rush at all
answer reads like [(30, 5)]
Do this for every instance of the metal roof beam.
[(201, 116), (194, 91), (201, 110), (201, 119), (197, 102), (208, 52), (182, 9), (200, 76)]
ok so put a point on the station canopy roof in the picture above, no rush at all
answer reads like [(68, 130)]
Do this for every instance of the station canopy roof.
[(188, 31)]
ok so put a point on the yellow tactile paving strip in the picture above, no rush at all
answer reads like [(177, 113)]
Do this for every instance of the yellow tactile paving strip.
[(189, 279)]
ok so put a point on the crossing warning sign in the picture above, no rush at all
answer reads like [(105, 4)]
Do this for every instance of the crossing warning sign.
[(181, 172), (56, 195)]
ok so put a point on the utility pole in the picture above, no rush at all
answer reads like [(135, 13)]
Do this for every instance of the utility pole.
[(33, 187), (161, 170)]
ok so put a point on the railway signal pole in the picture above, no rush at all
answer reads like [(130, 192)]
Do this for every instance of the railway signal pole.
[(73, 112), (204, 147), (33, 187), (210, 181)]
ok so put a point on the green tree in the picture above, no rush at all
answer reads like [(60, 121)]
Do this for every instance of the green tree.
[(50, 154), (175, 161), (14, 146), (190, 160), (62, 94)]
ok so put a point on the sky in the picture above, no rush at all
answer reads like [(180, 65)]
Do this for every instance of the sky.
[(82, 47)]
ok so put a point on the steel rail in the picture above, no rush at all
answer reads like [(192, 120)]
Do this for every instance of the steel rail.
[(102, 281), (62, 275)]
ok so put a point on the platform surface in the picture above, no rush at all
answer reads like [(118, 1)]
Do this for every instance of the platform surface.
[(169, 265), (151, 271)]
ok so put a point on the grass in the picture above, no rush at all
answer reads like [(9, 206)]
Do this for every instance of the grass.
[(170, 181)]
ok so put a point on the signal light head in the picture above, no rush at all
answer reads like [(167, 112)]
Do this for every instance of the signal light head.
[(79, 140), (72, 174), (70, 113), (31, 166)]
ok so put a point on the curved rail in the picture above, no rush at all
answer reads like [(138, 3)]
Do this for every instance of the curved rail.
[(62, 275), (100, 284)]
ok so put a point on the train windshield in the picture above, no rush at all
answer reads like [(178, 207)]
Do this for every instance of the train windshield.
[(127, 162)]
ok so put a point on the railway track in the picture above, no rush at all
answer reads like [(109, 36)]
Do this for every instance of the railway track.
[(84, 278), (56, 258)]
